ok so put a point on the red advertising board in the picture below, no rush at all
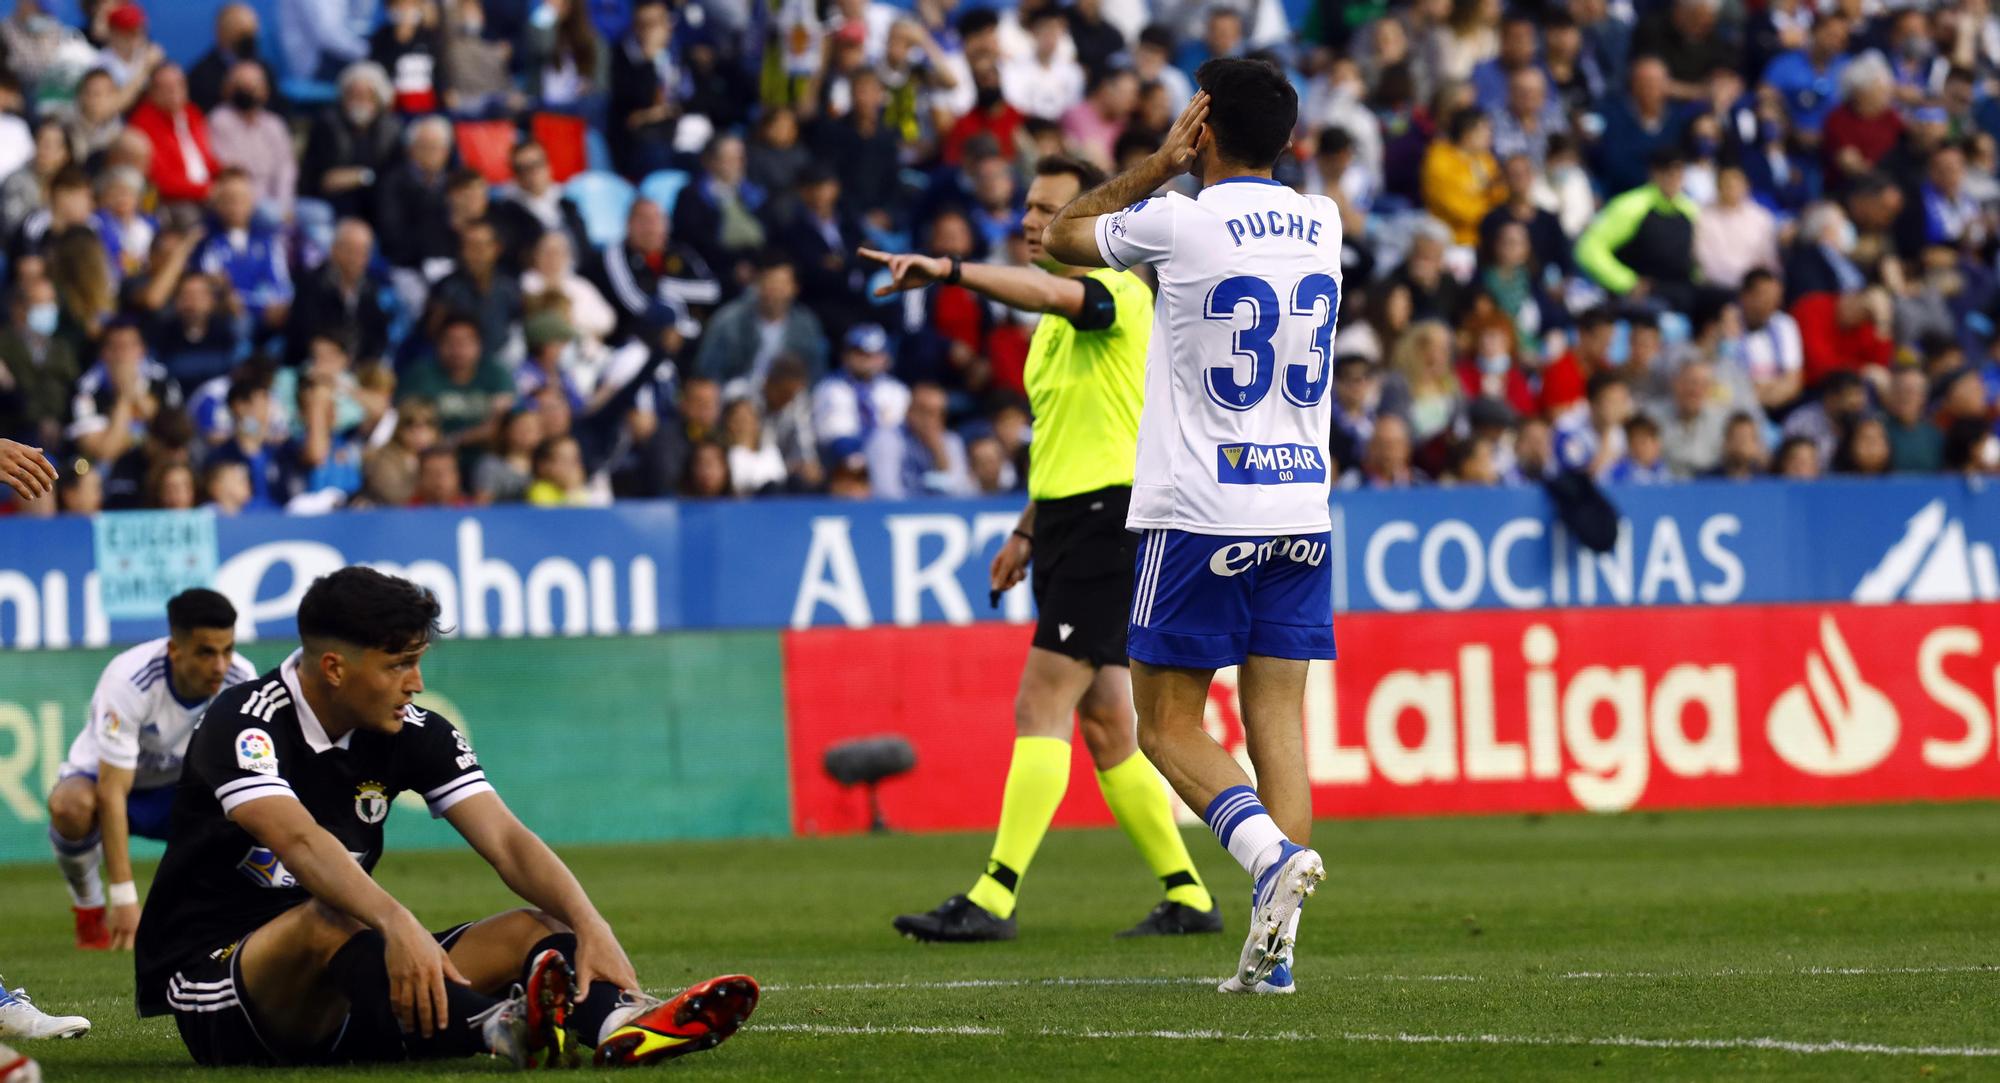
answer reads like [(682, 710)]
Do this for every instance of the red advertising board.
[(1578, 709)]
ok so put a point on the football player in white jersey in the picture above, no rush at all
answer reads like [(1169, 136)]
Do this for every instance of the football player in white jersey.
[(119, 778), (1232, 483)]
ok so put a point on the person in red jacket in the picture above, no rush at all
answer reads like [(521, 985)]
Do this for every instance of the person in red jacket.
[(1846, 332), (1490, 368), (183, 164)]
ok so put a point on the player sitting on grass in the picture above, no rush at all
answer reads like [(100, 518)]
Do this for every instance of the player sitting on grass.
[(119, 778), (1232, 479), (269, 942)]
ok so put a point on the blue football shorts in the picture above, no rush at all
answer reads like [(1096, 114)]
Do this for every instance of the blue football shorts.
[(1204, 601)]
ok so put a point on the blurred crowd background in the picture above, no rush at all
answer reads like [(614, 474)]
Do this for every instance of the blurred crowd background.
[(367, 253)]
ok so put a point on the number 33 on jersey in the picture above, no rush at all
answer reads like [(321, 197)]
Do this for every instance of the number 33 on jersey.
[(1233, 436)]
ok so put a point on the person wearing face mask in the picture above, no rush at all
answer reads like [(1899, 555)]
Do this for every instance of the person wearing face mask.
[(352, 145), (1820, 260), (247, 135), (253, 441), (475, 65), (37, 369), (235, 43)]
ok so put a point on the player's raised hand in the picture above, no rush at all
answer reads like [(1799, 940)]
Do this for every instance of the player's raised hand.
[(123, 924), (599, 957), (907, 270), (1184, 140), (25, 470)]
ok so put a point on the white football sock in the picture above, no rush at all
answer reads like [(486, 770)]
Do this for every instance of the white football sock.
[(79, 860)]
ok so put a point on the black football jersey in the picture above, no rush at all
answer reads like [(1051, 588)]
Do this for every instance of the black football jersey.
[(259, 739)]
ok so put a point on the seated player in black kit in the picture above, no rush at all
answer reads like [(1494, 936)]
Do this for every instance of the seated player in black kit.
[(269, 942)]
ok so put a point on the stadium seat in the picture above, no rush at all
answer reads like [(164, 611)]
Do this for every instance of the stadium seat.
[(604, 200), (663, 187), (487, 146), (596, 152), (561, 138)]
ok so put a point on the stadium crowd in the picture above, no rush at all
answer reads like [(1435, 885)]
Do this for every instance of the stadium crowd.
[(566, 251)]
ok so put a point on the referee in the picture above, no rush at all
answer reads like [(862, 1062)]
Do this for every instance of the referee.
[(1086, 379)]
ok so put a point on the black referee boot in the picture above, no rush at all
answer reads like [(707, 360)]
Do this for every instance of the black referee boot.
[(957, 920), (1175, 919)]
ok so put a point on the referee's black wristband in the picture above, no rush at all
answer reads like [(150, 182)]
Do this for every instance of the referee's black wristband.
[(1024, 536), (951, 279)]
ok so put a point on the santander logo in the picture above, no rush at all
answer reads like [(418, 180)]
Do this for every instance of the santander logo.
[(1836, 723)]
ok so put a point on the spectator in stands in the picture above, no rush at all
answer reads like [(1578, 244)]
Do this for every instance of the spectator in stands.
[(1971, 448), (226, 486), (552, 359), (560, 480), (37, 368), (1742, 450), (1826, 421), (920, 457), (1491, 367), (1810, 78), (469, 389), (716, 214), (653, 269), (565, 59), (533, 206), (648, 85), (96, 118), (850, 405), (554, 271), (1593, 440), (1773, 354), (755, 464), (1644, 462), (323, 460), (1865, 126), (993, 121), (788, 420), (1865, 449), (475, 76), (389, 472), (184, 164), (821, 244), (1461, 180), (342, 295), (1916, 444), (196, 339), (319, 40), (248, 136), (479, 289), (1046, 81), (414, 218), (1641, 246), (1422, 382), (1693, 430), (1490, 78), (1433, 292), (438, 483), (863, 150), (169, 439), (1636, 128), (1576, 76), (170, 487), (1357, 397), (254, 442), (1386, 464), (127, 232), (505, 472), (1686, 37), (774, 158), (351, 147), (1093, 125), (235, 42), (707, 475), (408, 45), (246, 254), (1528, 119), (1511, 284), (25, 191), (1796, 459), (128, 56), (1734, 235), (1942, 210), (84, 286), (118, 396), (748, 335)]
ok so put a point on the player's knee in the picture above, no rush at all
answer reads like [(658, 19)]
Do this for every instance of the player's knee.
[(73, 811), (1033, 717)]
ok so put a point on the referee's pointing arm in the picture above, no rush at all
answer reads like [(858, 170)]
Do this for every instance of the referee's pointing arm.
[(1026, 288)]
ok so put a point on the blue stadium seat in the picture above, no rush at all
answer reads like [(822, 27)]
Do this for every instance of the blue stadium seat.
[(663, 187), (604, 199), (596, 152)]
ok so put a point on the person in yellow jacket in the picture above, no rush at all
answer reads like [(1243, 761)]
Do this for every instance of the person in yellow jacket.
[(1461, 180)]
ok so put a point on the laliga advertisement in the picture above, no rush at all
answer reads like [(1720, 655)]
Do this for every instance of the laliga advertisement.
[(1597, 710)]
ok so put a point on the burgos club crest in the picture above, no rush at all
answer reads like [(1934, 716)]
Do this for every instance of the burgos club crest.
[(371, 802)]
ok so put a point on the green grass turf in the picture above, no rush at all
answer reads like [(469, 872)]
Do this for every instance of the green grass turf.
[(1708, 920)]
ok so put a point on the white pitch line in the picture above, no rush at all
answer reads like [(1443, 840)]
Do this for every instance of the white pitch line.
[(1619, 1041), (1571, 975)]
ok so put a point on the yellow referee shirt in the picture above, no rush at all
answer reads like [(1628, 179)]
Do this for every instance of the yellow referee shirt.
[(1086, 388)]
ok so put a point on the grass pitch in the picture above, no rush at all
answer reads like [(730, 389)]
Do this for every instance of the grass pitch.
[(1807, 944)]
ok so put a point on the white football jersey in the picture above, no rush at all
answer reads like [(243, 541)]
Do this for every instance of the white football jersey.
[(137, 722), (1233, 437)]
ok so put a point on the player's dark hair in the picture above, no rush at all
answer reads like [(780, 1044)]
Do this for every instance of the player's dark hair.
[(1252, 109), (361, 607), (1062, 165), (199, 607)]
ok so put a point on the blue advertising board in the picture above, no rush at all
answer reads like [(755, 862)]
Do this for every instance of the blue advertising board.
[(644, 567)]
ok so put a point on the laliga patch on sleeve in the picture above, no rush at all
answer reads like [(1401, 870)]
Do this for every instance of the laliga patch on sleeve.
[(254, 752)]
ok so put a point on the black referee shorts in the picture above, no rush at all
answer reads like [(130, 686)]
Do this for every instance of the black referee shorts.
[(1083, 558)]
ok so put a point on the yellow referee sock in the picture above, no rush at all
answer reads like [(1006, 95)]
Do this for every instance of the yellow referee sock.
[(1137, 798), (1036, 781)]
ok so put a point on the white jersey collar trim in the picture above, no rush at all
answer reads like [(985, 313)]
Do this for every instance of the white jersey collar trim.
[(309, 726)]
